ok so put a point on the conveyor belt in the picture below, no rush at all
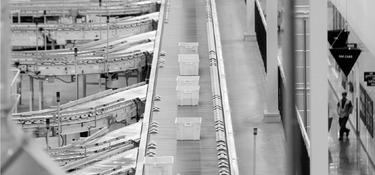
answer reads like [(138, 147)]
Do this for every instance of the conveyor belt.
[(127, 136), (186, 23), (24, 35), (59, 9), (120, 163), (91, 58), (95, 111)]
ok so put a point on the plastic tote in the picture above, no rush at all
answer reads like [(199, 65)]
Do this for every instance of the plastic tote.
[(187, 95), (159, 165), (188, 47), (188, 128), (189, 64), (187, 80)]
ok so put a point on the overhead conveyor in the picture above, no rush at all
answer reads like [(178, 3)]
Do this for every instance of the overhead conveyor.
[(90, 113), (27, 35), (129, 53), (57, 8), (72, 157)]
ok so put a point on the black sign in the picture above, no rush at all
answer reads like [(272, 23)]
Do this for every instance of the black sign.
[(369, 78), (338, 38), (366, 110), (371, 82), (345, 57)]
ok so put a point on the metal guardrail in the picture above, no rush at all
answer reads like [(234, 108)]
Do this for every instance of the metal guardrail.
[(227, 155), (261, 31), (150, 92), (304, 134), (301, 133)]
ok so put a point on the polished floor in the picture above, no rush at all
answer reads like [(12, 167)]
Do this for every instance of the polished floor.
[(245, 79), (347, 157)]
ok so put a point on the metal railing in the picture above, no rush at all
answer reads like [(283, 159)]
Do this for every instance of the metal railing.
[(227, 157), (261, 31), (147, 117), (304, 157)]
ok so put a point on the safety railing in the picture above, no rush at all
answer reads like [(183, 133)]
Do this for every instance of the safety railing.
[(261, 31), (302, 134), (226, 150), (147, 117)]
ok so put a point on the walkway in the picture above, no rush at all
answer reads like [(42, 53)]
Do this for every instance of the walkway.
[(186, 23), (245, 79), (347, 157)]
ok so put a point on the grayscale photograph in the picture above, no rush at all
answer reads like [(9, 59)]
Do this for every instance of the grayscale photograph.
[(187, 87)]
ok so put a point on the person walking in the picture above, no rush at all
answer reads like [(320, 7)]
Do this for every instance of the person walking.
[(344, 109)]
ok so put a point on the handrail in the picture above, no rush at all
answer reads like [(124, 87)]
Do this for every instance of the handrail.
[(261, 13), (224, 93), (150, 93), (304, 134)]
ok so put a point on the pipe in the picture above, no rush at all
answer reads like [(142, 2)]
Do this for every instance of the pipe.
[(305, 70), (291, 125), (58, 118), (76, 72)]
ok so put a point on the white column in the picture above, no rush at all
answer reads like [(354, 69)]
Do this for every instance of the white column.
[(319, 87), (31, 103), (271, 107), (250, 25), (41, 92)]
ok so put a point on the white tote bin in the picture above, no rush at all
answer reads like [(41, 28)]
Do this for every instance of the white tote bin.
[(188, 128), (187, 95), (188, 47), (187, 80), (159, 165), (189, 64)]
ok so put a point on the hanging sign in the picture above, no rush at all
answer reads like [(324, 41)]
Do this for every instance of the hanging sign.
[(338, 38), (369, 78), (345, 57)]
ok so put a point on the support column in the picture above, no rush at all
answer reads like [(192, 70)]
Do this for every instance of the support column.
[(100, 81), (41, 92), (319, 87), (139, 77), (31, 103), (84, 85), (19, 89), (108, 81), (250, 21), (127, 78), (271, 112), (77, 86), (19, 17)]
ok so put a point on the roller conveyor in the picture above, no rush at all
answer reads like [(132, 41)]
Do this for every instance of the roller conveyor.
[(89, 113), (122, 162), (24, 35), (124, 137), (56, 9), (91, 57)]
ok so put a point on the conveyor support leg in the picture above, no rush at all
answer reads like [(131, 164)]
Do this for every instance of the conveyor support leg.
[(31, 93), (41, 91)]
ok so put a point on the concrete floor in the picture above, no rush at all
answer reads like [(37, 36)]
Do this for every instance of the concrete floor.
[(246, 78)]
